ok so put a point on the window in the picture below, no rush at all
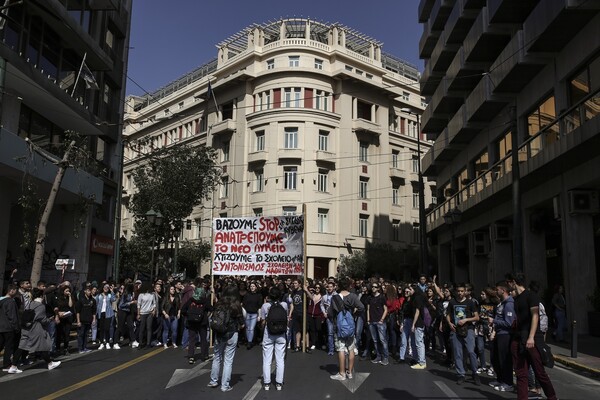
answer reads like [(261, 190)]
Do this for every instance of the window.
[(396, 230), (322, 100), (225, 151), (363, 110), (198, 231), (259, 180), (225, 186), (504, 150), (289, 211), (363, 187), (227, 110), (289, 177), (322, 220), (405, 96), (323, 140), (542, 116), (294, 61), (395, 159), (423, 102), (322, 180), (416, 238), (363, 225), (167, 112), (415, 162), (180, 105), (290, 138), (363, 151), (271, 64), (395, 194), (297, 97), (260, 140), (318, 63), (393, 122), (287, 97), (412, 128), (415, 199), (258, 212)]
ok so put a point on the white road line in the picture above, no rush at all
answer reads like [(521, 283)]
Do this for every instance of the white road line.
[(589, 381), (449, 392), (254, 390)]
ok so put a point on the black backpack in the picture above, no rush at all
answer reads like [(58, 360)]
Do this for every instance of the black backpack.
[(27, 318), (220, 320), (277, 319), (195, 312)]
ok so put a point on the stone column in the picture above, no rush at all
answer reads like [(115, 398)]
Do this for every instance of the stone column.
[(310, 267), (332, 268)]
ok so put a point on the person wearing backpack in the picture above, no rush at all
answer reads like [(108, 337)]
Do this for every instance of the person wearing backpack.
[(275, 321), (226, 320), (196, 310), (341, 312)]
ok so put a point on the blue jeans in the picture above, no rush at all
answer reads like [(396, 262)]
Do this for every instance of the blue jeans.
[(420, 344), (277, 344), (82, 333), (51, 328), (330, 329), (480, 346), (169, 324), (379, 334), (407, 336), (251, 319), (224, 351), (561, 324), (469, 342), (360, 324)]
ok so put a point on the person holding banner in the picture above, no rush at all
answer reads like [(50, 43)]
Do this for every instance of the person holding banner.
[(297, 297)]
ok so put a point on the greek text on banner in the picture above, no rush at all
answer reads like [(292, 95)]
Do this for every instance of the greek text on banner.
[(258, 246)]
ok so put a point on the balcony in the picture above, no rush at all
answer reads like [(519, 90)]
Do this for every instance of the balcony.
[(514, 67), (227, 126), (439, 13), (511, 11), (486, 40), (440, 154), (258, 156), (324, 157), (569, 140), (428, 40), (290, 154), (461, 19), (483, 104), (430, 79), (553, 23), (463, 75), (397, 173), (425, 7), (368, 127), (460, 130)]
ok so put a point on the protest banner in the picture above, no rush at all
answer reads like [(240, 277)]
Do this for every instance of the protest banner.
[(258, 246)]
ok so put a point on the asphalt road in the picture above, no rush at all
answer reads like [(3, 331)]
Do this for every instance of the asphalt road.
[(165, 374)]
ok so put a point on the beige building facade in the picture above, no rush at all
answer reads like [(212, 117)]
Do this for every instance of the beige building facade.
[(520, 78), (301, 113)]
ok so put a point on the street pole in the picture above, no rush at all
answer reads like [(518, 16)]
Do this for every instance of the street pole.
[(422, 219), (516, 195)]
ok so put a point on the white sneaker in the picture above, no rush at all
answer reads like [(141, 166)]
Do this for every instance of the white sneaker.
[(174, 346), (338, 377), (355, 351), (116, 346), (53, 365), (101, 347), (14, 370), (165, 346), (312, 347), (134, 344)]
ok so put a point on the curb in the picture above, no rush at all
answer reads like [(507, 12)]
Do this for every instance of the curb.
[(575, 365)]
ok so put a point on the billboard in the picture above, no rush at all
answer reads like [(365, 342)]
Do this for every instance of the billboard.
[(258, 246)]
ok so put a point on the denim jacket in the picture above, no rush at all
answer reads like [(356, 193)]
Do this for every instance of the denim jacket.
[(110, 298)]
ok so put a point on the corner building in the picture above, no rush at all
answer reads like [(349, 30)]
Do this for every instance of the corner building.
[(522, 78), (62, 68), (303, 113)]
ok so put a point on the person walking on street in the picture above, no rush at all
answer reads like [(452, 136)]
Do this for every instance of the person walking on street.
[(526, 339), (228, 311), (274, 338)]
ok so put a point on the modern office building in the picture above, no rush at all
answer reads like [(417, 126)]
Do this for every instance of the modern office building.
[(522, 78), (62, 68), (301, 112)]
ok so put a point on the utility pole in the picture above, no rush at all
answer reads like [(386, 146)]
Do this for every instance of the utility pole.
[(516, 195)]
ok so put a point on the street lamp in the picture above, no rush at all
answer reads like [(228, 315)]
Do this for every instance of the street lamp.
[(452, 218), (177, 228), (424, 259), (155, 219)]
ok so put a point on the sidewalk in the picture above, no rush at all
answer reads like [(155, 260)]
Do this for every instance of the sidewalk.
[(588, 354)]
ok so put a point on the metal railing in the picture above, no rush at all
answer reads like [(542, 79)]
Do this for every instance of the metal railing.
[(571, 119)]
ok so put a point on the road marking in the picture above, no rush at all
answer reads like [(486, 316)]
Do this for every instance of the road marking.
[(98, 377), (184, 375), (353, 384), (449, 392), (254, 390)]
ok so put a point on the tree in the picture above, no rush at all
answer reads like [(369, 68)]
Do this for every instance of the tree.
[(354, 265), (191, 255), (134, 257), (173, 181)]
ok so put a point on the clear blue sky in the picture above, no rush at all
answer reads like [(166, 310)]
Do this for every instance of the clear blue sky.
[(171, 38)]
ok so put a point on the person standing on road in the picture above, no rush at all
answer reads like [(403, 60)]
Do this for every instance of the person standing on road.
[(251, 301), (325, 304), (105, 315), (345, 347), (226, 343), (195, 312), (171, 311), (560, 313), (274, 342), (36, 339), (462, 313), (9, 328), (526, 339), (376, 317), (85, 309), (502, 323), (146, 309)]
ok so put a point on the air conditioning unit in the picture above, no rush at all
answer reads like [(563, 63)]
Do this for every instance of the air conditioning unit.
[(501, 232), (480, 243), (583, 202)]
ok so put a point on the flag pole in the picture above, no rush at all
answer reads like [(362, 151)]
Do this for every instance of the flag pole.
[(304, 278), (78, 74)]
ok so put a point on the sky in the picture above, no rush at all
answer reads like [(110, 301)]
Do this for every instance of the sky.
[(170, 38)]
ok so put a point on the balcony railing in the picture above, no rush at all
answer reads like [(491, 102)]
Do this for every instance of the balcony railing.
[(585, 110)]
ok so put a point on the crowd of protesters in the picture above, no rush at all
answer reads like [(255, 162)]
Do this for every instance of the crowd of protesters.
[(404, 322)]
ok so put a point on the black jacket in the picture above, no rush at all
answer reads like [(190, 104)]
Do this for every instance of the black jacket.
[(9, 315)]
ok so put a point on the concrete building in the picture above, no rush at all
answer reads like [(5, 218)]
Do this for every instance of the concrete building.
[(46, 88), (504, 78), (303, 113)]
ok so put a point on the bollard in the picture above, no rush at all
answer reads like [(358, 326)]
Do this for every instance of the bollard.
[(573, 339)]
